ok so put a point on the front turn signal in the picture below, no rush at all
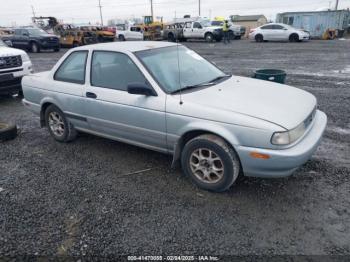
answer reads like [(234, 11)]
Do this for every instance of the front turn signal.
[(259, 155)]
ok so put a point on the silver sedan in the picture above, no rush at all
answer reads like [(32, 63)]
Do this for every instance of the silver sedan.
[(165, 97)]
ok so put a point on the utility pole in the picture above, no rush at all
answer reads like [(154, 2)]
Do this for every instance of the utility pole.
[(152, 10), (99, 5), (33, 11), (199, 7), (336, 5)]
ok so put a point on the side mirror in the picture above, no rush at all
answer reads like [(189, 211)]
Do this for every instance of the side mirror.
[(141, 89), (25, 34)]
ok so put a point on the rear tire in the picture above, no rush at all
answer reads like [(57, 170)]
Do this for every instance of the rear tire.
[(294, 38), (259, 38), (171, 37), (210, 163), (59, 127)]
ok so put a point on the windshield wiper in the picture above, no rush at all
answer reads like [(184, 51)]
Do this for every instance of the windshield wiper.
[(192, 86), (219, 78), (209, 83)]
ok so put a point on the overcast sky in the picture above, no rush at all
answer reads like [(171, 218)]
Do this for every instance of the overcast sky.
[(19, 12)]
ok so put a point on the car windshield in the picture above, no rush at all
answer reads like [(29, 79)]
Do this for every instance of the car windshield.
[(36, 31), (205, 23), (164, 65)]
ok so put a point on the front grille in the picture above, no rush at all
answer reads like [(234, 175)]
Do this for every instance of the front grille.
[(10, 62)]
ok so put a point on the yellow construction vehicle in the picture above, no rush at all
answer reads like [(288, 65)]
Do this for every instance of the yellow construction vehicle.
[(152, 30)]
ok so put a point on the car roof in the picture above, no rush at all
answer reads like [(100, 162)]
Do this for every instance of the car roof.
[(275, 24), (132, 46)]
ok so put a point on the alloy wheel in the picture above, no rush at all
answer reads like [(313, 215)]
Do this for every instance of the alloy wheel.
[(206, 165), (56, 124)]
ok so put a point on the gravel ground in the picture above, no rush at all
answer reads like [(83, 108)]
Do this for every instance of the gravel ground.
[(80, 198)]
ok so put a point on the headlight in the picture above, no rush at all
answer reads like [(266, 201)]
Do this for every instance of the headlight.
[(25, 58), (288, 137)]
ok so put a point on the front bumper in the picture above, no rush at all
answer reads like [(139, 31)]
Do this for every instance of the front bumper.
[(304, 38), (218, 34), (13, 84), (48, 45), (283, 162)]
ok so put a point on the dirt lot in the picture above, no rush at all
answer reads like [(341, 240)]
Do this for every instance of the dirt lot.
[(79, 198)]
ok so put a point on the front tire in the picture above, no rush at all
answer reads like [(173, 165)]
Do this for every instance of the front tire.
[(35, 48), (210, 163), (209, 37), (121, 38), (294, 38), (59, 127)]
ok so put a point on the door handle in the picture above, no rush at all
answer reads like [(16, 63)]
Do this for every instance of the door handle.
[(91, 95)]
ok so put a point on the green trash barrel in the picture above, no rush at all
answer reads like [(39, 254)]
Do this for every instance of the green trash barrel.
[(274, 75)]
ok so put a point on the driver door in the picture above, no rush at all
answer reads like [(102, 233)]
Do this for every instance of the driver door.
[(113, 112), (198, 30)]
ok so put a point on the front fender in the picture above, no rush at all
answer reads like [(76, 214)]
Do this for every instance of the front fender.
[(194, 129)]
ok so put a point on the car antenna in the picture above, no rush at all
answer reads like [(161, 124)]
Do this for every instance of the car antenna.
[(178, 61)]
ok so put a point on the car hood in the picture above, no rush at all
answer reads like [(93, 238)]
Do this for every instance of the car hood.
[(280, 104), (8, 51)]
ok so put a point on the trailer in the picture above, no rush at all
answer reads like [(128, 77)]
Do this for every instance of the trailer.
[(317, 23)]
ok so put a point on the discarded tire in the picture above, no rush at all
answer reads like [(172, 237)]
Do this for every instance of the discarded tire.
[(7, 131)]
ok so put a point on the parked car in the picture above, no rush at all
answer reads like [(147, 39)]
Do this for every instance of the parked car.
[(173, 32), (165, 97), (202, 30), (14, 64), (34, 40), (129, 33), (234, 30), (278, 32)]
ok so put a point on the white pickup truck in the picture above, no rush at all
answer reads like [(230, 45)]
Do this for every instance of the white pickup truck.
[(202, 30), (14, 64), (129, 32)]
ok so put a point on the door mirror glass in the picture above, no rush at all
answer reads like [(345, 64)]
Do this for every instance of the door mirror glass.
[(140, 89)]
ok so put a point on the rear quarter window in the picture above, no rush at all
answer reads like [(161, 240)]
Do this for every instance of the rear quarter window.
[(73, 68)]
